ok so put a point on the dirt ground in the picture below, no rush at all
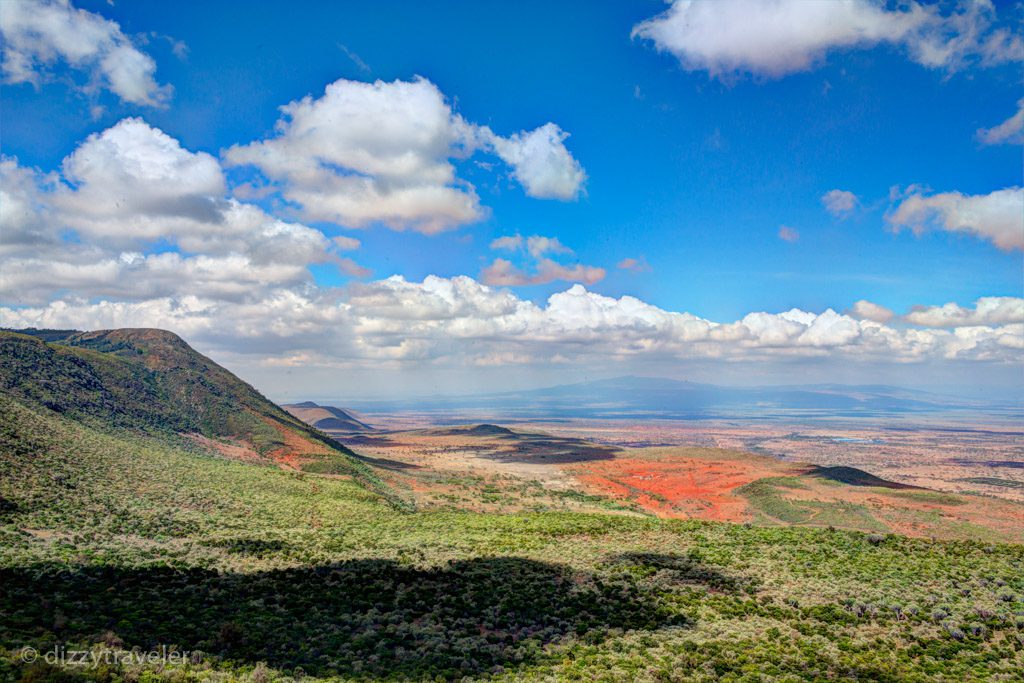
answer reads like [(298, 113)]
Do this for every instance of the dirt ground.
[(682, 482), (632, 470)]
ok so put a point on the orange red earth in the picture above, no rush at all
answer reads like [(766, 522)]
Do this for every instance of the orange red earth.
[(295, 451), (703, 483), (680, 487)]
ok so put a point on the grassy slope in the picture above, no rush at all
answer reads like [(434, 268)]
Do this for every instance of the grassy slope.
[(766, 497), (151, 383), (126, 538), (142, 379)]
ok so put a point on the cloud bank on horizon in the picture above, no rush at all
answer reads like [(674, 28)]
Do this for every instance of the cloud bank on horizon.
[(459, 320), (248, 249)]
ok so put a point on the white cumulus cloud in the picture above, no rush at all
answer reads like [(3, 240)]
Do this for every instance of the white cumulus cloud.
[(40, 33), (866, 310), (504, 273), (135, 215), (508, 242), (997, 216), (541, 163), (380, 152), (538, 245), (774, 38), (989, 310)]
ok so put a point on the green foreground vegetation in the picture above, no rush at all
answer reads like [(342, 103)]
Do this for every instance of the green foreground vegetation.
[(122, 540), (119, 536)]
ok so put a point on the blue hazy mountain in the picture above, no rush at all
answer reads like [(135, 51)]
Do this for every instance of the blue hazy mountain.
[(653, 397)]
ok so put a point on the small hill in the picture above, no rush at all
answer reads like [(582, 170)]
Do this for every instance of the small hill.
[(150, 382), (326, 418), (475, 430), (489, 430), (852, 476)]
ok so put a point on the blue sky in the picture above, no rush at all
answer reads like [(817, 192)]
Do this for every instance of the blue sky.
[(693, 169)]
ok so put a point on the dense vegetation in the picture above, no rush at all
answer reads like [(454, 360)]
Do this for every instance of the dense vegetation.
[(116, 535), (139, 379)]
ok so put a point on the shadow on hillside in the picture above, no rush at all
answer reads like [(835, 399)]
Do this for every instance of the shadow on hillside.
[(361, 618), (386, 463), (360, 439), (675, 570), (555, 450), (538, 449), (496, 443)]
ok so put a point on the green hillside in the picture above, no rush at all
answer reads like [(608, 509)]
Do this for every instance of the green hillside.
[(140, 379), (117, 534)]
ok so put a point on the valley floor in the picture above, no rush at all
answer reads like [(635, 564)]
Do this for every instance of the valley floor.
[(614, 469), (115, 541)]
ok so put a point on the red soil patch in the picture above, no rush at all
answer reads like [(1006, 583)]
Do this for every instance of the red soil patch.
[(677, 487), (293, 454)]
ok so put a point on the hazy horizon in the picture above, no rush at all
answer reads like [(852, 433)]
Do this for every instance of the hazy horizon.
[(321, 391)]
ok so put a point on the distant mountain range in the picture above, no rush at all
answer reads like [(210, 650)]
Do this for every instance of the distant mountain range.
[(652, 397), (144, 377), (327, 418)]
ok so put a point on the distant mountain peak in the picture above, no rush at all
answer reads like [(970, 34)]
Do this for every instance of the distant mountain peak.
[(327, 418)]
